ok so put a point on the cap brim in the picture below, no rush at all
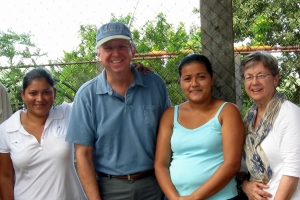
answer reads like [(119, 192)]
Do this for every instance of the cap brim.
[(102, 41)]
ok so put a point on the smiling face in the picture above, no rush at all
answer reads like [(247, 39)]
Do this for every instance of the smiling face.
[(260, 90), (116, 55), (196, 82), (39, 97)]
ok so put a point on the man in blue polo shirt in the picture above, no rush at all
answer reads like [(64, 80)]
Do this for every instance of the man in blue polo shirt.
[(114, 123)]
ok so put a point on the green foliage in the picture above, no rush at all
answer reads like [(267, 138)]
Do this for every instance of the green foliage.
[(13, 82), (289, 82), (72, 76), (160, 36), (17, 50), (121, 18), (261, 29), (275, 20)]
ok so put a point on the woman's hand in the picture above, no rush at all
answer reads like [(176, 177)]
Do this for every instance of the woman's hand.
[(254, 190), (141, 68)]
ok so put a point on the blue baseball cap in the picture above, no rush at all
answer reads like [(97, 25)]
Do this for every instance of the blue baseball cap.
[(112, 30)]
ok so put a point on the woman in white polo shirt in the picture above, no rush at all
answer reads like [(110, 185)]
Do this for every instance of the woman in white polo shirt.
[(35, 161)]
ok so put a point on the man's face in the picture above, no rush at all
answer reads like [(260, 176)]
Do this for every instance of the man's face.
[(116, 55)]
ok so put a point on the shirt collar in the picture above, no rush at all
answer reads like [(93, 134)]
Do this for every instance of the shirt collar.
[(14, 123), (103, 86)]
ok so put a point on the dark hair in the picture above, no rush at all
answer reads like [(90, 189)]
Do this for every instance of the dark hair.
[(37, 73), (195, 58), (268, 61)]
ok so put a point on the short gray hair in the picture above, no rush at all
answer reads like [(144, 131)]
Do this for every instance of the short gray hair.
[(269, 61), (132, 43)]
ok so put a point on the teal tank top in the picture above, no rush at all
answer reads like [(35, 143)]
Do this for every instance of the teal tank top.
[(196, 155)]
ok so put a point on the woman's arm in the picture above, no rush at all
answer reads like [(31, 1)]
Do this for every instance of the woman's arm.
[(6, 177), (286, 188), (232, 140), (163, 154)]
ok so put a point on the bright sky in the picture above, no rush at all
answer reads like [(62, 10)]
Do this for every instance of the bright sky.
[(54, 23)]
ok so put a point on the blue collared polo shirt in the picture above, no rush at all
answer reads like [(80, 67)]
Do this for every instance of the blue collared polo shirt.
[(122, 131)]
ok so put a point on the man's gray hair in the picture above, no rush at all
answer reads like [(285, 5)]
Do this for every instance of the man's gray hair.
[(132, 43)]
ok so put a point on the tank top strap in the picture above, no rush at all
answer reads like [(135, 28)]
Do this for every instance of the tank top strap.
[(221, 107), (175, 121)]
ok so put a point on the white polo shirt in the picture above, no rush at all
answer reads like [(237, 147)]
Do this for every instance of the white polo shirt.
[(45, 170)]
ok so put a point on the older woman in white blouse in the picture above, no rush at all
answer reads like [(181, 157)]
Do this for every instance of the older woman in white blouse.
[(272, 143)]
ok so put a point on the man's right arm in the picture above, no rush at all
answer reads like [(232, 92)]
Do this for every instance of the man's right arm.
[(86, 171)]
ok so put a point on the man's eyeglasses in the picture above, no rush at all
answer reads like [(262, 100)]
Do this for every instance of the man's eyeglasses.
[(258, 77), (119, 48)]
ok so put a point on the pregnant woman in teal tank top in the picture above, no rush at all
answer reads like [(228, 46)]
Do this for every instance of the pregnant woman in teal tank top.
[(200, 141)]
